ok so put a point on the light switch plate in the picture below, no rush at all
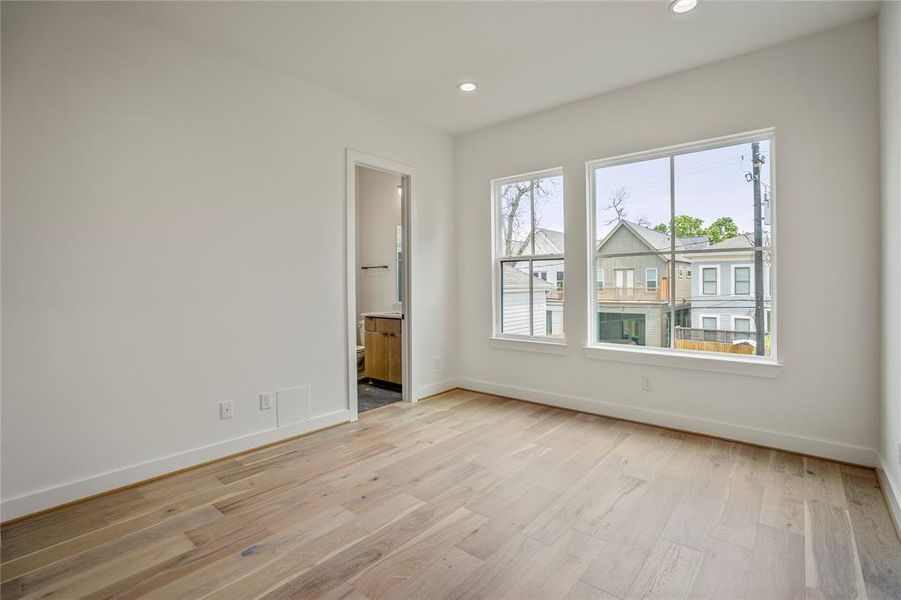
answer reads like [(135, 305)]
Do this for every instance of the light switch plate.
[(225, 410), (265, 400)]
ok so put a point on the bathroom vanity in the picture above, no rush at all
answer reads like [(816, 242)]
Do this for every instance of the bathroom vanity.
[(383, 355)]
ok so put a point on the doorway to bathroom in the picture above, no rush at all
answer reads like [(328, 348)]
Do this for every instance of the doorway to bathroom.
[(378, 208)]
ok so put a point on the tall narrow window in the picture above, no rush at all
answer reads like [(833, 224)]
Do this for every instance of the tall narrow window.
[(701, 209), (529, 255), (741, 278), (710, 281)]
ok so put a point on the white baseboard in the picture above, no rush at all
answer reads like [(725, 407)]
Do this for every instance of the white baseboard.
[(436, 388), (892, 493), (12, 508), (775, 439)]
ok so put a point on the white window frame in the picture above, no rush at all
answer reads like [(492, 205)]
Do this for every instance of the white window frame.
[(753, 366), (750, 268), (750, 321), (535, 342), (600, 279), (716, 318), (719, 280), (656, 278)]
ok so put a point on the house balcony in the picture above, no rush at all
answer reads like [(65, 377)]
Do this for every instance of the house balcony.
[(638, 293)]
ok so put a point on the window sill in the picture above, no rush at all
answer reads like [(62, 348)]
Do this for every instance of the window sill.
[(730, 365), (528, 345)]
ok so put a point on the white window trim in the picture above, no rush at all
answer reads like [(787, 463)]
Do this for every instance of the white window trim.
[(499, 339), (719, 280), (656, 277), (750, 270), (601, 279), (714, 317), (684, 359), (750, 320)]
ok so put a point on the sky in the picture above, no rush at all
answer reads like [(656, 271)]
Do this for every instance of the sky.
[(708, 184)]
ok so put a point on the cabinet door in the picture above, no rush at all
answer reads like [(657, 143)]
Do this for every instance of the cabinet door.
[(395, 358), (376, 355)]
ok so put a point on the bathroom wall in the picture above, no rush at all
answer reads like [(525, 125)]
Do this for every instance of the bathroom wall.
[(378, 215)]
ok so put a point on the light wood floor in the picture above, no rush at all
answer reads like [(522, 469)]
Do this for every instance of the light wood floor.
[(473, 496)]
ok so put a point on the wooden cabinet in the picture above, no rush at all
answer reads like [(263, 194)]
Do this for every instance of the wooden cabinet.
[(383, 355)]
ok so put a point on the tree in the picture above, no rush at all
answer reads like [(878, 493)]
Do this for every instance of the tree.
[(661, 228), (516, 230), (687, 226), (722, 229), (618, 199)]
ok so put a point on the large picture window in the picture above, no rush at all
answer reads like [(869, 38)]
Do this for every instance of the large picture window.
[(703, 208), (529, 266)]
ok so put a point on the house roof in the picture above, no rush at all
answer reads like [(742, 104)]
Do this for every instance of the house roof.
[(515, 279), (655, 240), (547, 241)]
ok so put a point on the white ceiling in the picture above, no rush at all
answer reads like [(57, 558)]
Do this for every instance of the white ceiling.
[(407, 57)]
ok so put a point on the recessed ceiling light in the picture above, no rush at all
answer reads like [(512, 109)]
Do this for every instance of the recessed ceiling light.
[(467, 86), (682, 6)]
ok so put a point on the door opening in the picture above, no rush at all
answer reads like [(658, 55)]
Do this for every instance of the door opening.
[(378, 298)]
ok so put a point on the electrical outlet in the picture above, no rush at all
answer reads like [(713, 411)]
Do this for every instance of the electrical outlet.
[(266, 401), (225, 410), (436, 364), (646, 384)]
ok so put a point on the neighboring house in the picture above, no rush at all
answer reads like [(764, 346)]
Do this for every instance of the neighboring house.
[(634, 291), (548, 242), (722, 296), (515, 301)]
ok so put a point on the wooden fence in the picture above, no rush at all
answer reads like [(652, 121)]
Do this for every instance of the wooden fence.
[(714, 347)]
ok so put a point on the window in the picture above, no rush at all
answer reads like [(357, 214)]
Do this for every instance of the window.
[(625, 278), (710, 281), (741, 325), (700, 208), (529, 255), (741, 280)]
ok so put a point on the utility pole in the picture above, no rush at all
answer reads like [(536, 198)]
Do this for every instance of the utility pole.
[(757, 160)]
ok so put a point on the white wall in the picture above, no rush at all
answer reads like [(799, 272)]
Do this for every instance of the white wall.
[(378, 215), (890, 69), (821, 95), (161, 205)]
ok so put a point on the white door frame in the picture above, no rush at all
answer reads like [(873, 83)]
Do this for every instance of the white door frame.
[(356, 158)]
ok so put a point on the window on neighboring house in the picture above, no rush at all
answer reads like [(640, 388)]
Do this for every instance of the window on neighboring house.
[(529, 234), (742, 325), (698, 208), (710, 281), (741, 280), (625, 278)]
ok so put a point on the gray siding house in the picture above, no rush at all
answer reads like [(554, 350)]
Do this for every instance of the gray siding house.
[(722, 295), (633, 292)]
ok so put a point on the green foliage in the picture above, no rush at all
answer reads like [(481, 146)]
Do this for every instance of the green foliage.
[(688, 226), (722, 229)]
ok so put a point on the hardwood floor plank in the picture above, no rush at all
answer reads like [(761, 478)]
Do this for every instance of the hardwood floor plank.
[(438, 579), (724, 572), (667, 573), (777, 566), (831, 565), (876, 540)]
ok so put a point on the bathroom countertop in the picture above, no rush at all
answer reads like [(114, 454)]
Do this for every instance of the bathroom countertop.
[(383, 315)]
